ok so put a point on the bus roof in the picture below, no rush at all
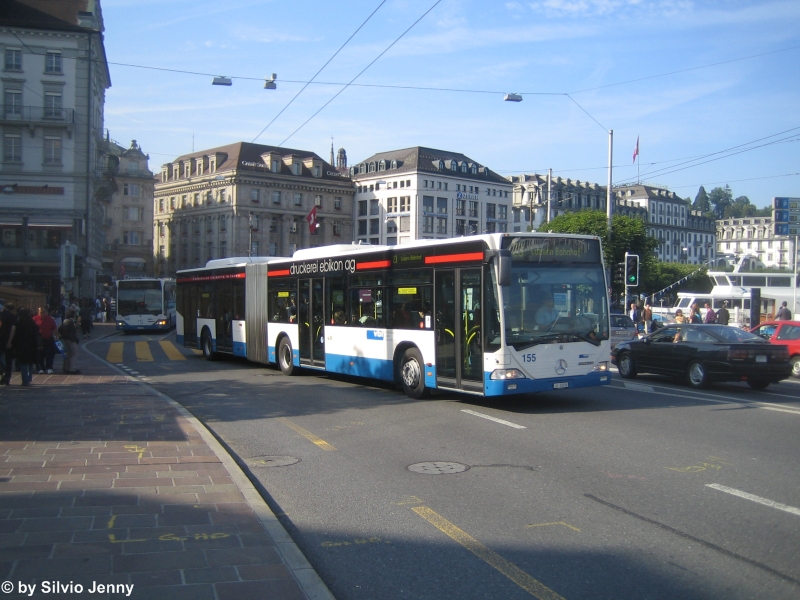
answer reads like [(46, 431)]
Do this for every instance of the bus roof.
[(234, 261)]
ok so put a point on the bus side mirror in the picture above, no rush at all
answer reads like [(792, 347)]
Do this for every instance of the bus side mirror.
[(504, 267)]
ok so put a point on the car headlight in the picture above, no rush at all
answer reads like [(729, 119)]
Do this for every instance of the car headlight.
[(600, 367), (507, 374)]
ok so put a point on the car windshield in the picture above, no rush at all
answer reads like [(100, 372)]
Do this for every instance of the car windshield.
[(621, 321)]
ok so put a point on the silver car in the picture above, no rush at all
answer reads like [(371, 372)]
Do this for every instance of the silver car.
[(622, 329)]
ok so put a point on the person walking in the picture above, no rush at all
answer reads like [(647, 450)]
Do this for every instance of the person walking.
[(723, 316), (8, 329), (784, 314), (694, 314), (68, 332), (86, 314), (47, 329), (26, 344), (634, 314), (711, 316), (647, 317)]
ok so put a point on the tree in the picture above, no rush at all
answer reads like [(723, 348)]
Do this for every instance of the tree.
[(701, 202), (720, 199), (629, 234)]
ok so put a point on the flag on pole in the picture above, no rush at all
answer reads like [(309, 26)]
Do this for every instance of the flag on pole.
[(636, 150), (312, 221)]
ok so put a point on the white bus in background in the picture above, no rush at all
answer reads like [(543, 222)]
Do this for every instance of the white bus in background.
[(145, 304), (492, 315)]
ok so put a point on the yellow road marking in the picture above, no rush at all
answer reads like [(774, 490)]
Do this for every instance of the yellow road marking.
[(564, 523), (171, 350), (114, 355), (307, 434), (510, 570), (197, 352), (143, 353)]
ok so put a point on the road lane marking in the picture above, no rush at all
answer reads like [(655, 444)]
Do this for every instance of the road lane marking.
[(564, 523), (495, 419), (115, 352), (639, 387), (171, 350), (754, 498), (490, 557), (143, 353), (697, 540), (306, 434)]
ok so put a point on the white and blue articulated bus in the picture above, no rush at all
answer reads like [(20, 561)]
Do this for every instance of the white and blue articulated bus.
[(145, 304), (492, 314)]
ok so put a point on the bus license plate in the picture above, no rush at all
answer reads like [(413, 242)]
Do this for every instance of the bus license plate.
[(761, 358), (561, 385)]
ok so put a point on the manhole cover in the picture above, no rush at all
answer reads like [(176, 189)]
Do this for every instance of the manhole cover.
[(437, 467), (272, 461)]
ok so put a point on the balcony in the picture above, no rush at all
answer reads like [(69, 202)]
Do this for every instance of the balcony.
[(40, 116)]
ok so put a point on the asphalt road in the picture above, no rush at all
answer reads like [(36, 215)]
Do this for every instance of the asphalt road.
[(643, 489)]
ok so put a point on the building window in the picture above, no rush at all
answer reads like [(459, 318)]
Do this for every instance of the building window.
[(502, 227), (405, 203), (502, 212), (298, 199), (13, 104), (490, 210), (427, 204), (441, 205), (391, 205), (461, 227), (132, 238), (223, 249), (337, 203), (362, 227), (474, 207), (294, 226), (490, 227), (391, 226), (12, 148), (172, 203), (222, 197), (273, 248), (297, 168), (52, 62), (131, 189), (362, 208), (134, 213), (13, 59), (223, 223), (276, 197), (374, 226), (337, 229), (52, 150), (405, 224), (183, 201), (52, 105), (460, 207), (273, 225), (255, 195), (318, 200), (441, 226), (374, 207)]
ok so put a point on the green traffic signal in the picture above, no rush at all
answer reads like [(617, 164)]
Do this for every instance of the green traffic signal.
[(631, 270)]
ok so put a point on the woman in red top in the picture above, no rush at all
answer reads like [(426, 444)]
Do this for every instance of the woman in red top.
[(47, 329)]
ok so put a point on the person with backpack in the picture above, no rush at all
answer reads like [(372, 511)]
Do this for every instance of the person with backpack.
[(27, 343), (68, 332)]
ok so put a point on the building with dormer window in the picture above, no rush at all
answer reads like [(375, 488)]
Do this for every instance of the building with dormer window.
[(246, 199), (424, 193)]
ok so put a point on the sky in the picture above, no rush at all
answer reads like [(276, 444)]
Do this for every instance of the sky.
[(711, 89)]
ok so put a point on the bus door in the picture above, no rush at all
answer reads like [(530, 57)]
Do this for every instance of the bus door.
[(459, 346), (190, 306), (311, 322)]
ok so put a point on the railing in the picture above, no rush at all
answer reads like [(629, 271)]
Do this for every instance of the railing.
[(37, 114)]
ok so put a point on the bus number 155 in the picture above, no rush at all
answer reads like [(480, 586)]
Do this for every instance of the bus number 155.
[(528, 358)]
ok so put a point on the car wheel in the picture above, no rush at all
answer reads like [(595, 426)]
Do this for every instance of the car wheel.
[(625, 365), (697, 376), (412, 374), (207, 346), (796, 366), (286, 357), (758, 384)]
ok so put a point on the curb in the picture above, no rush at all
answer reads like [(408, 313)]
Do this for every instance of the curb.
[(307, 578)]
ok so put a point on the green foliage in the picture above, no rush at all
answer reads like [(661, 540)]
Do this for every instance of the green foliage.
[(720, 199), (701, 202), (664, 274), (628, 234)]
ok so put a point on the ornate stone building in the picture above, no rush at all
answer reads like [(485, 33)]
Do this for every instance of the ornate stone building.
[(247, 199), (754, 236)]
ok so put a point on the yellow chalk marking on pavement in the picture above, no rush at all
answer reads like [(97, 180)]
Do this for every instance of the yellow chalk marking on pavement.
[(509, 569), (110, 524), (307, 434), (135, 448), (114, 355), (565, 524), (113, 539), (143, 353), (171, 350)]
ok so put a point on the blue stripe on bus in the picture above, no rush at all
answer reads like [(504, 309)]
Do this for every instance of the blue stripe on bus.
[(240, 349), (497, 387), (374, 368)]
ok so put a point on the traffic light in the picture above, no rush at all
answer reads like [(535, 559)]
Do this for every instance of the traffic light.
[(631, 270), (619, 273)]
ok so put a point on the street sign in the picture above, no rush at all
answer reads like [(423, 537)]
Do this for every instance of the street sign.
[(786, 228), (787, 203), (786, 216)]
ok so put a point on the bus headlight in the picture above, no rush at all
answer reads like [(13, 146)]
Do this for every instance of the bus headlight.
[(161, 322), (600, 367), (507, 374)]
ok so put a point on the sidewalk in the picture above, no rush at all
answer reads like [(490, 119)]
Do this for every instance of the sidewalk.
[(103, 480)]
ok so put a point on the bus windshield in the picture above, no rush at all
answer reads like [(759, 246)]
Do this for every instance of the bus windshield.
[(557, 293), (139, 298)]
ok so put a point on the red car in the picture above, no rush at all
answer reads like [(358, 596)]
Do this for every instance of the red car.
[(784, 333)]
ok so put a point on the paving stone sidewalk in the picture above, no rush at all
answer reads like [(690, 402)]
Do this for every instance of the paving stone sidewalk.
[(104, 481)]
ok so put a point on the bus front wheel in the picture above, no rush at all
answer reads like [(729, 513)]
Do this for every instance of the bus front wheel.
[(207, 346), (412, 377), (285, 357)]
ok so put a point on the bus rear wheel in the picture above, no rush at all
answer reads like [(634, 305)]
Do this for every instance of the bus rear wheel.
[(412, 377), (207, 346), (286, 357)]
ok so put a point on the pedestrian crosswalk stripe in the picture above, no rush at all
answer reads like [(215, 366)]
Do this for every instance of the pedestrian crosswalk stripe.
[(171, 350), (143, 353), (114, 355)]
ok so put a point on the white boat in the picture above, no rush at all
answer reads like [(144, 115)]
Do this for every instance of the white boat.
[(735, 287)]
